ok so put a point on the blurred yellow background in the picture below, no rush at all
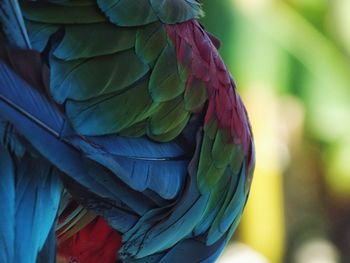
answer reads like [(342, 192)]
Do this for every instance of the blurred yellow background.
[(291, 62)]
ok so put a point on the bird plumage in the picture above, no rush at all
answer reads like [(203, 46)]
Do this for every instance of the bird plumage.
[(130, 102)]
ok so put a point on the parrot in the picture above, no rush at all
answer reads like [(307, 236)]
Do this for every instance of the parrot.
[(122, 135)]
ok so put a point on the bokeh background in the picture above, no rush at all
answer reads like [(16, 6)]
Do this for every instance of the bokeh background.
[(290, 59)]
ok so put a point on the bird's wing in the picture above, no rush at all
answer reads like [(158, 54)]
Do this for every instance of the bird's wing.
[(148, 98)]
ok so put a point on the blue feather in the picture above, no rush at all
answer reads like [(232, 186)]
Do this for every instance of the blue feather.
[(137, 168), (38, 191), (233, 207), (7, 206), (48, 252), (193, 250), (39, 34), (28, 101), (10, 139), (187, 250), (224, 187), (12, 24), (29, 196), (215, 256), (42, 125), (141, 163), (161, 228)]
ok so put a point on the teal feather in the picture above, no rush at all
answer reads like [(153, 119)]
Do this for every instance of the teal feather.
[(58, 14), (167, 116), (135, 130), (150, 41), (231, 209), (84, 41), (171, 12), (174, 229), (217, 198), (223, 150), (39, 34), (205, 161), (165, 82), (111, 113), (171, 134), (128, 12), (152, 233), (192, 250), (83, 79)]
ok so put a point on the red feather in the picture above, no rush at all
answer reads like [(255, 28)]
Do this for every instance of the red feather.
[(224, 104), (96, 242)]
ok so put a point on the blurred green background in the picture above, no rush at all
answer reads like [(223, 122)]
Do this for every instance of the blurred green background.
[(291, 62)]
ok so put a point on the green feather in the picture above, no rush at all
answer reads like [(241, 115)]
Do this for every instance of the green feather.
[(57, 14), (211, 127), (216, 155), (111, 113), (168, 116), (82, 79), (210, 178), (216, 200), (128, 12), (237, 202), (195, 95), (223, 210), (135, 130), (220, 190), (170, 135), (89, 40), (171, 12), (223, 149), (165, 82), (231, 211), (237, 159), (150, 41), (205, 160)]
